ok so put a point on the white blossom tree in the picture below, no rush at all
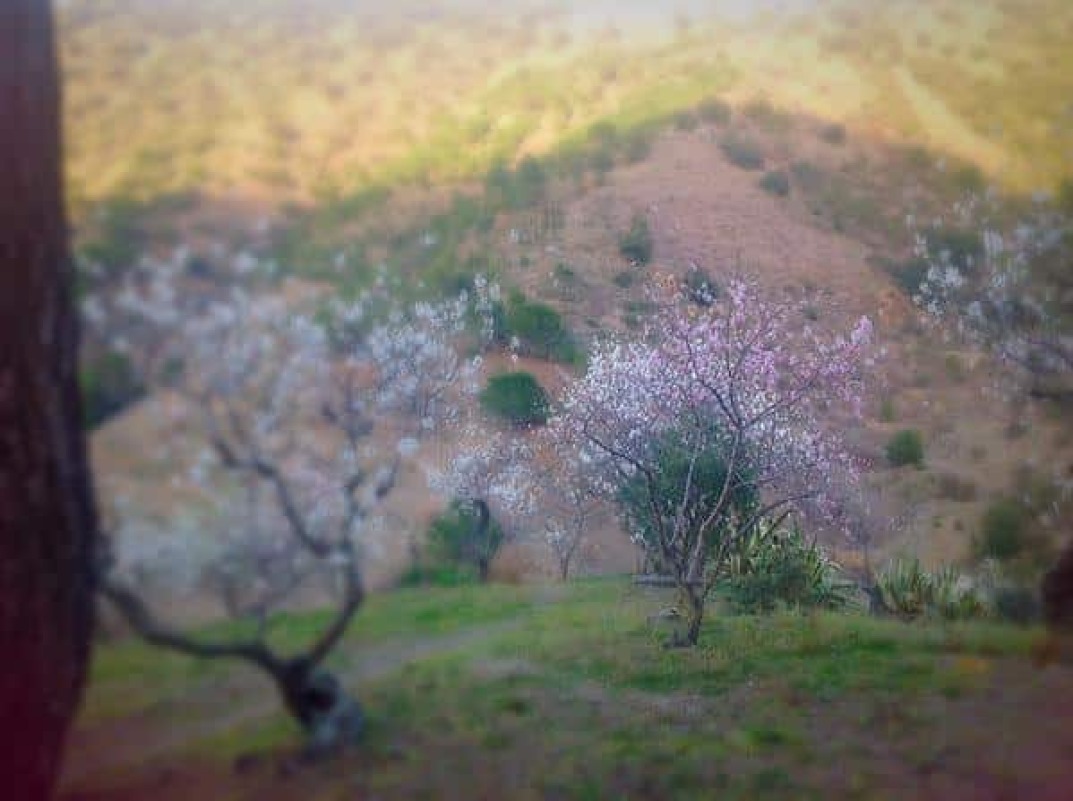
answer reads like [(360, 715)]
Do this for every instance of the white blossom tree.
[(567, 483), (738, 379), (295, 405), (1005, 281)]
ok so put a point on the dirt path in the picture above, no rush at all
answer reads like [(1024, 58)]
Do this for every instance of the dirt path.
[(218, 705)]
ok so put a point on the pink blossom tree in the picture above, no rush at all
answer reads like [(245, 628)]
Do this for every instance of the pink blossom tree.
[(294, 403), (739, 378)]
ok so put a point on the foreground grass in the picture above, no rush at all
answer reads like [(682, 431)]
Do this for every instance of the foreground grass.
[(570, 694)]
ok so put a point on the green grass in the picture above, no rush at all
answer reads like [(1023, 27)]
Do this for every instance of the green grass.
[(577, 698)]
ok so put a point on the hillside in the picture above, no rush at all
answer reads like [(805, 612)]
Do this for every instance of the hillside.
[(260, 101)]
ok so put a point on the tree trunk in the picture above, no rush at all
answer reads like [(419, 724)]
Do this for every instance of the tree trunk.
[(332, 719), (47, 522)]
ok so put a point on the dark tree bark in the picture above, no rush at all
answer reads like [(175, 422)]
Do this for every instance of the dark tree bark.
[(47, 519)]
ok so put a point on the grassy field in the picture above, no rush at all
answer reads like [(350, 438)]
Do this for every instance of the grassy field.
[(566, 692)]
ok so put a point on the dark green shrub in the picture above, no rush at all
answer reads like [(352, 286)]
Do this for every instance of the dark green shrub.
[(742, 152), (906, 447), (460, 548), (685, 121), (714, 110), (833, 134), (963, 246), (1003, 530), (636, 244), (517, 398), (776, 182), (539, 329)]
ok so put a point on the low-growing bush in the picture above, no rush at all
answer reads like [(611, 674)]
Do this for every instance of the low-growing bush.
[(833, 133), (742, 152), (1002, 530), (909, 591), (963, 247), (776, 182), (517, 398), (537, 328), (714, 110), (777, 567), (636, 244), (460, 548), (906, 447)]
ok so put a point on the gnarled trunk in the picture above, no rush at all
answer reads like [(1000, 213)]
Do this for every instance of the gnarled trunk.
[(46, 510)]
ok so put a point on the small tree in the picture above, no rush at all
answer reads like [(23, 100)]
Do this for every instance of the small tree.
[(466, 536), (1006, 284), (568, 488), (287, 406), (488, 480), (739, 404)]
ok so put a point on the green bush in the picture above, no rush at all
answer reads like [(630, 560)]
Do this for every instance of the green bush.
[(1002, 530), (833, 133), (517, 398), (963, 246), (776, 567), (776, 182), (459, 548), (714, 110), (906, 447), (636, 244), (538, 327), (742, 152)]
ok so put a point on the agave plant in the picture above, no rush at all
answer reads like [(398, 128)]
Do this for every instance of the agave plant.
[(775, 565)]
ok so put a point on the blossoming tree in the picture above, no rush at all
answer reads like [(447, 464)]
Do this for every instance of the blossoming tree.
[(1005, 280), (739, 378), (295, 405)]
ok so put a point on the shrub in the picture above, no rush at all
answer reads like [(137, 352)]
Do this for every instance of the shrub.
[(699, 286), (778, 567), (906, 447), (776, 182), (742, 152), (1002, 530), (516, 397), (636, 244), (538, 327), (460, 549), (909, 591), (833, 134), (685, 121), (962, 246), (714, 110)]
